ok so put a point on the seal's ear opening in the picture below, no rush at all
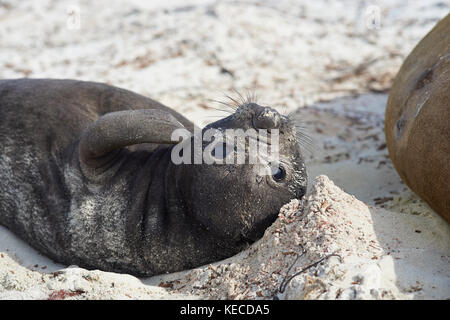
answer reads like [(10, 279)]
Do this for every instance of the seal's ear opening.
[(120, 129)]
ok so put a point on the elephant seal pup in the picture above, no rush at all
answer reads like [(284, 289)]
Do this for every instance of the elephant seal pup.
[(417, 124), (86, 178)]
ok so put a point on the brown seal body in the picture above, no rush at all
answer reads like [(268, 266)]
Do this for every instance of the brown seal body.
[(417, 124)]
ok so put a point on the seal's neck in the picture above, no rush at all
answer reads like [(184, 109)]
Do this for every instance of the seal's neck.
[(173, 239)]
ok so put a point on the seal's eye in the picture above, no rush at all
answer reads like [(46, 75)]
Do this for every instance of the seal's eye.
[(278, 173)]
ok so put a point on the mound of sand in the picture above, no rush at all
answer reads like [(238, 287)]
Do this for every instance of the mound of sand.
[(323, 247), (328, 221)]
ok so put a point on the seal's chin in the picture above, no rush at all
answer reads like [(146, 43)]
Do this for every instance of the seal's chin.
[(300, 192), (257, 231), (249, 239)]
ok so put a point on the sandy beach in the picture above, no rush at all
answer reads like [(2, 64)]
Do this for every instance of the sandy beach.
[(328, 64)]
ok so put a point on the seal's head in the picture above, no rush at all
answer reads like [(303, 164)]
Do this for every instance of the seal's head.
[(238, 201)]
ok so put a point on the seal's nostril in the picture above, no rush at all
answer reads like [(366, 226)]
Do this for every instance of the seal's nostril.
[(268, 118)]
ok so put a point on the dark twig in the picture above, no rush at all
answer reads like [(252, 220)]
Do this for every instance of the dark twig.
[(287, 279)]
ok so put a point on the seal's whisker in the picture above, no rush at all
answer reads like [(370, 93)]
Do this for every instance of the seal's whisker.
[(308, 150), (226, 104), (248, 96), (309, 147), (236, 103), (290, 116), (219, 109), (301, 126), (305, 141), (304, 137), (254, 97), (240, 96), (302, 130)]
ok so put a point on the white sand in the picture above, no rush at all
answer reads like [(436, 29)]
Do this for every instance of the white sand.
[(317, 54)]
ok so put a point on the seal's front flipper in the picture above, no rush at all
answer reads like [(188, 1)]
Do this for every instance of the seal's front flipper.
[(117, 130)]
